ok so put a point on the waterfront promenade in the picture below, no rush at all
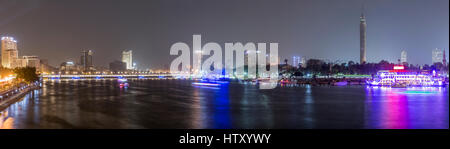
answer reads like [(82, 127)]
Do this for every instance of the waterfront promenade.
[(9, 96)]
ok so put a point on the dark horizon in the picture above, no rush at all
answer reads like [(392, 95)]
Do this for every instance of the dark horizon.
[(322, 29)]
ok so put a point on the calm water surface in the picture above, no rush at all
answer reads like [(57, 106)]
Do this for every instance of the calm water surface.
[(179, 104)]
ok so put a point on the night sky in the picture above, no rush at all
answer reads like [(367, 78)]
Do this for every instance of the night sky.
[(58, 30)]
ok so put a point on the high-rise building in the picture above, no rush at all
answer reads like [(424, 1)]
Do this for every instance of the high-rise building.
[(86, 60), (303, 62), (127, 58), (362, 38), (403, 57), (68, 66), (444, 59), (117, 66), (11, 56), (296, 61), (9, 51), (436, 56)]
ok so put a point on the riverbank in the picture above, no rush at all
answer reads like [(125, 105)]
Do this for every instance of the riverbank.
[(11, 96), (329, 81)]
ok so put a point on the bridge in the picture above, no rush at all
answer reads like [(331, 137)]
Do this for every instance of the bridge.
[(57, 76)]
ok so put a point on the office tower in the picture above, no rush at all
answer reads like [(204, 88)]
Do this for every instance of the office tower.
[(127, 58), (303, 62), (444, 58), (403, 57), (296, 61), (9, 51), (86, 60), (436, 56)]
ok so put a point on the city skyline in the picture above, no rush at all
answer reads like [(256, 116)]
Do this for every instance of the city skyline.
[(209, 69), (383, 32)]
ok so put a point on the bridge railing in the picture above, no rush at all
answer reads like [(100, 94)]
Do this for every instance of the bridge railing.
[(109, 76)]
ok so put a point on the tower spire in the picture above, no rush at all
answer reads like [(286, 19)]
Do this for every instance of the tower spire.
[(444, 60), (362, 37), (363, 9)]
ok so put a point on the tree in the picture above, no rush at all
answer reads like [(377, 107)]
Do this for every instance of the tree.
[(5, 72), (27, 74)]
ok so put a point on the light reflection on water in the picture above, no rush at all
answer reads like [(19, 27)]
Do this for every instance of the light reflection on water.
[(179, 104), (404, 108)]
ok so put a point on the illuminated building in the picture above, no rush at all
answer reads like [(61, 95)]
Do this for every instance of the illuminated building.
[(436, 56), (296, 61), (444, 61), (19, 62), (403, 57), (362, 38), (45, 67), (246, 58), (127, 58), (27, 61), (8, 51), (303, 62), (86, 60), (10, 57), (68, 66), (32, 61)]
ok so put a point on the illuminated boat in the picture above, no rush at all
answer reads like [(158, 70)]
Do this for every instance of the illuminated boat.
[(211, 82), (341, 83), (205, 84), (399, 77), (122, 80)]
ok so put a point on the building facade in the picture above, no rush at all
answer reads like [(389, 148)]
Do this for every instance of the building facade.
[(296, 61), (27, 61), (437, 56), (69, 67), (303, 62), (9, 52), (32, 61), (117, 66), (127, 58), (444, 59), (404, 57), (10, 57), (86, 60)]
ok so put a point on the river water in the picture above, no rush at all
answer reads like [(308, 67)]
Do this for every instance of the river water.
[(180, 104)]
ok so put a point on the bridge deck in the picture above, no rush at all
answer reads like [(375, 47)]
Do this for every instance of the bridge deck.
[(106, 76)]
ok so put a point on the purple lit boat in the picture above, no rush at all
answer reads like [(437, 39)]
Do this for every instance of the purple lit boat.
[(399, 77)]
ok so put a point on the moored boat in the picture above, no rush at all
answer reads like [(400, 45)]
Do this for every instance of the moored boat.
[(399, 77)]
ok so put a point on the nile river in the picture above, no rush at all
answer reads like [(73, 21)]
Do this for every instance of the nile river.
[(179, 104)]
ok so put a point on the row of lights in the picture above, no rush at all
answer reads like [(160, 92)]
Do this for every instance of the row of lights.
[(137, 72)]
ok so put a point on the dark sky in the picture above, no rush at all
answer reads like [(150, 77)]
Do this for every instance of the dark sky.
[(58, 30)]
